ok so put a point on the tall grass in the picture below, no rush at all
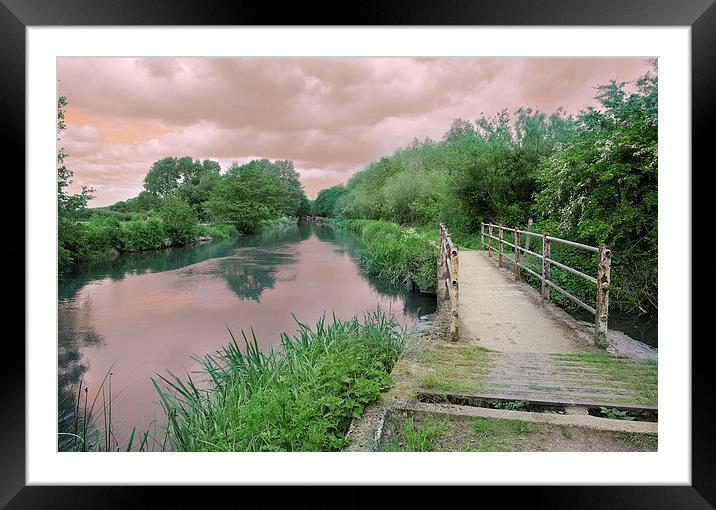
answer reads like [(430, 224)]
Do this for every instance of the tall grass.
[(395, 253), (217, 232), (299, 397), (84, 422)]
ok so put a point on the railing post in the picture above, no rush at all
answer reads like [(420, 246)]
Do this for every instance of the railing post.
[(482, 235), (529, 229), (603, 281), (489, 239), (517, 255), (545, 266), (499, 247), (454, 320)]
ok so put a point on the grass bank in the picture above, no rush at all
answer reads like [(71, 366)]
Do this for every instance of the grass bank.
[(102, 236), (409, 432), (395, 253), (300, 397)]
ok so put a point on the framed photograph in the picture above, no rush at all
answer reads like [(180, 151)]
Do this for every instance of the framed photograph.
[(428, 245)]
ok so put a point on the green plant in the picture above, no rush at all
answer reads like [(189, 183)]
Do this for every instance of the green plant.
[(395, 253), (421, 436), (615, 414), (84, 423), (139, 235), (515, 405), (178, 219), (301, 397), (217, 231)]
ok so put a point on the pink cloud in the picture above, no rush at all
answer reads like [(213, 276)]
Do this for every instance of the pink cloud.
[(331, 116)]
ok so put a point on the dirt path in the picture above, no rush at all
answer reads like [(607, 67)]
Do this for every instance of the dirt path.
[(501, 314)]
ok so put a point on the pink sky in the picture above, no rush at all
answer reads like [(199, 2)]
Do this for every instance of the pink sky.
[(331, 116)]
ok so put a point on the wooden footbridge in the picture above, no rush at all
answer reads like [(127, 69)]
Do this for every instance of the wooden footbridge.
[(497, 310), (536, 350)]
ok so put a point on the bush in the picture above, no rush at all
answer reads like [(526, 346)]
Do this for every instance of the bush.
[(217, 232), (71, 243), (102, 235), (395, 253), (180, 223), (139, 235)]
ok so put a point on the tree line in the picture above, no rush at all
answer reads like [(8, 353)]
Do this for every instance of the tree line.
[(590, 177), (182, 199)]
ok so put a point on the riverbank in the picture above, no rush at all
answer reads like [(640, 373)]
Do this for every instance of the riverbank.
[(102, 237), (300, 397), (394, 253)]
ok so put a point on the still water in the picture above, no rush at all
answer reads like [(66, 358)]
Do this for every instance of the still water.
[(146, 313)]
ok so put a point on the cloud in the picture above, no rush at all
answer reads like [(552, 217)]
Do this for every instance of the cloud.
[(331, 116)]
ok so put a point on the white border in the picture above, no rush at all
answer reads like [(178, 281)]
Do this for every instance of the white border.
[(671, 465)]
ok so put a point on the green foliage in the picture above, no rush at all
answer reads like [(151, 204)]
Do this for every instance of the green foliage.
[(501, 435), (600, 186), (67, 203), (70, 239), (70, 242), (246, 196), (591, 178), (395, 253), (137, 235), (102, 235), (325, 202), (615, 414), (217, 232), (301, 397), (180, 224), (515, 405), (422, 436)]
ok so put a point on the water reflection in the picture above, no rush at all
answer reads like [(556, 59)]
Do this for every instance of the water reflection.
[(146, 313)]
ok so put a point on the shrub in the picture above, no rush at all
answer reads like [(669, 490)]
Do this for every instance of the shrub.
[(142, 235), (102, 235), (217, 232), (395, 253), (180, 223)]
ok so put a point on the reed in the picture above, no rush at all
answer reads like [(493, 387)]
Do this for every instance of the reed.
[(300, 396)]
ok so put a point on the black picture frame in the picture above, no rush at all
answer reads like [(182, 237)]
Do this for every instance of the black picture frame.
[(700, 15)]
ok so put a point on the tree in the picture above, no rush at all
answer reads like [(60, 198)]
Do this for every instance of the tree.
[(325, 202), (165, 175), (245, 196), (178, 218), (67, 203), (600, 185), (284, 174), (70, 235)]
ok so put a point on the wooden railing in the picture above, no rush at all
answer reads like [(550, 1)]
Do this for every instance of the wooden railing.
[(447, 271), (602, 280)]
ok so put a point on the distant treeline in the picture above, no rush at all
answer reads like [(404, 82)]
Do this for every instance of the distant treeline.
[(182, 199), (590, 177)]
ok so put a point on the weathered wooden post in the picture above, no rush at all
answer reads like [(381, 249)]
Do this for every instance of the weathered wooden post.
[(545, 266), (517, 255), (454, 322), (482, 235), (489, 239), (603, 282), (529, 229), (499, 247)]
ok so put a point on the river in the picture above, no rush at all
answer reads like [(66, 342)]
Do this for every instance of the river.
[(143, 314)]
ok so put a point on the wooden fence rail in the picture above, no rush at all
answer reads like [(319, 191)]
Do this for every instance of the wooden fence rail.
[(447, 271), (602, 280)]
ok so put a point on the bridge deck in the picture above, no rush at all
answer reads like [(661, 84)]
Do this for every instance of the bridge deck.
[(496, 312), (537, 351)]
